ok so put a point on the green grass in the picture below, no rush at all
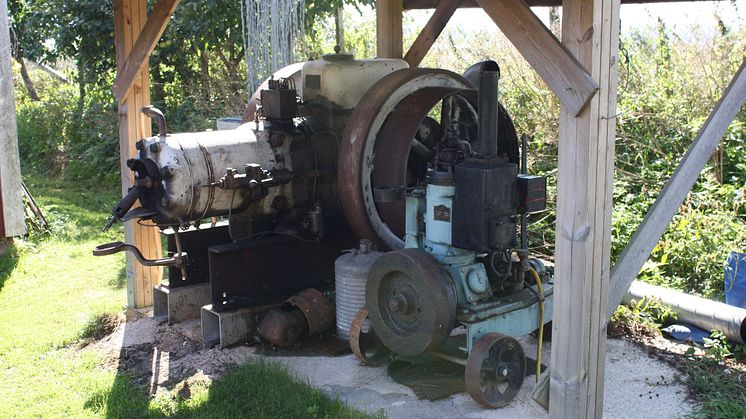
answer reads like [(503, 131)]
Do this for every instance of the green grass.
[(721, 391), (55, 293)]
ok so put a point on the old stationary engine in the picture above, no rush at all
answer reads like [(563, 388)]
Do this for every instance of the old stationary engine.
[(423, 163)]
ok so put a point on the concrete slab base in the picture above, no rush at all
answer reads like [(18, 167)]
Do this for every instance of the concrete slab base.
[(178, 304), (637, 386)]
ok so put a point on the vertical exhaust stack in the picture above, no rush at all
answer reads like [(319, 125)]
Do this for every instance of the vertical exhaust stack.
[(485, 201), (489, 75)]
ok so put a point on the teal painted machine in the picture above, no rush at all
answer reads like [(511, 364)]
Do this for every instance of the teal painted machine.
[(461, 266)]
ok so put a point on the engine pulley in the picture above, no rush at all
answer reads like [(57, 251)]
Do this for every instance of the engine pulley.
[(411, 301)]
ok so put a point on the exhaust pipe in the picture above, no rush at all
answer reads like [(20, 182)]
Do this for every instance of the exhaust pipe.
[(489, 75), (707, 314)]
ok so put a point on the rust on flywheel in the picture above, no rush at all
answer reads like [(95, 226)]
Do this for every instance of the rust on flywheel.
[(376, 142)]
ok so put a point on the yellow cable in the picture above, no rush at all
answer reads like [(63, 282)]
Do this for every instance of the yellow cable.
[(541, 322)]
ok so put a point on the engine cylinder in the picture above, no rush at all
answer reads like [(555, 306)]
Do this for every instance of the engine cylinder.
[(188, 166)]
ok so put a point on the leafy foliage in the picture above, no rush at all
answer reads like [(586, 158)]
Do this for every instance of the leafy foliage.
[(643, 317), (717, 346)]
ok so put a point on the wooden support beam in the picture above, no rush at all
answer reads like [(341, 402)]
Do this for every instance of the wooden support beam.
[(129, 20), (432, 4), (12, 222), (559, 69), (659, 216), (137, 59), (431, 31), (590, 31), (389, 28)]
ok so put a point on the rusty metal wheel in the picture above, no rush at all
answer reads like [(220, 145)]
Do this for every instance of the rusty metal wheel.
[(411, 301), (365, 344), (494, 370)]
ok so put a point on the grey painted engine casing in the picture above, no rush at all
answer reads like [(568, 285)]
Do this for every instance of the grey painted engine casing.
[(189, 164)]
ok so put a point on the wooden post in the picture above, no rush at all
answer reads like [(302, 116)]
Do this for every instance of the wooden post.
[(389, 28), (129, 19), (590, 31), (144, 45), (11, 204), (669, 200)]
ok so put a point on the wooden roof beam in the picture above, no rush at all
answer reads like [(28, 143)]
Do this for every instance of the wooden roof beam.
[(559, 69), (144, 46), (431, 31), (432, 4)]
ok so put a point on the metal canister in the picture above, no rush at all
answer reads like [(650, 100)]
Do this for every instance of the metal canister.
[(351, 273)]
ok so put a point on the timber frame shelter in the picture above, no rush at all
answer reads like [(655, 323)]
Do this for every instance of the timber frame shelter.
[(581, 71)]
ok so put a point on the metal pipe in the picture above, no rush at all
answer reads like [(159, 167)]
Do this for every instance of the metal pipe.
[(707, 314), (524, 170), (160, 119), (489, 75)]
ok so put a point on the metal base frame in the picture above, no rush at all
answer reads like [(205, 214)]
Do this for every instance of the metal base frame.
[(176, 304), (514, 315), (226, 328)]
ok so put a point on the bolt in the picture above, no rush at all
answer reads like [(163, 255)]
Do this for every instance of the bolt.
[(140, 145), (155, 147), (165, 201), (398, 304)]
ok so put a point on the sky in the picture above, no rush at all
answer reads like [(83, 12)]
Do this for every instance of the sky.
[(679, 17)]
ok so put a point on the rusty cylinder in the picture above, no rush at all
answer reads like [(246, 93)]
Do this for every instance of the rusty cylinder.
[(306, 313)]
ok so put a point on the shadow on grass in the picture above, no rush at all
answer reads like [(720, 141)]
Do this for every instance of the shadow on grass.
[(8, 261), (257, 389)]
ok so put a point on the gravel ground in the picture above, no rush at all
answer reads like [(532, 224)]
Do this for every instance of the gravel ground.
[(637, 385)]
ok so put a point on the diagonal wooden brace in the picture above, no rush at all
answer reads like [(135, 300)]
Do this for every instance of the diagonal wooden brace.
[(431, 31), (656, 221), (144, 46), (564, 75)]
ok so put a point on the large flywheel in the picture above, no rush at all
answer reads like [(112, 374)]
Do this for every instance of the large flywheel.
[(381, 140)]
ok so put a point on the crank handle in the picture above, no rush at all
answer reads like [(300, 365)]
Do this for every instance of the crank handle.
[(177, 261)]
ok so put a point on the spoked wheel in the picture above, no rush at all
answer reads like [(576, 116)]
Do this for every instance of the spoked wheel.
[(365, 344), (495, 370)]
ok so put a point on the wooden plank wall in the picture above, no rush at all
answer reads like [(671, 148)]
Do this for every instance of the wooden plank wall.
[(11, 202), (590, 31), (129, 19)]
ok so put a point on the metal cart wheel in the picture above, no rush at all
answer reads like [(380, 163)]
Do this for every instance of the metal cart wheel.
[(494, 370), (367, 346)]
